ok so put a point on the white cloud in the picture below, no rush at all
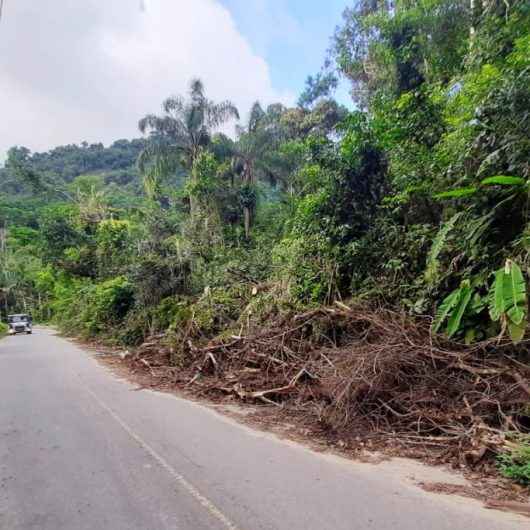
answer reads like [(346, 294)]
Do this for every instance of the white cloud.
[(74, 71)]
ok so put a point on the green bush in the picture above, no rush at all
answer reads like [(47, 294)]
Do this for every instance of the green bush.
[(70, 302), (170, 314), (112, 252), (109, 303), (516, 463), (216, 309), (3, 329), (84, 307), (308, 267), (136, 327)]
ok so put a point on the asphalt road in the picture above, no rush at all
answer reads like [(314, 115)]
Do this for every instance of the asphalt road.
[(82, 450)]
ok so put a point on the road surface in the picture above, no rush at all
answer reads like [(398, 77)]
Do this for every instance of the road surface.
[(81, 450)]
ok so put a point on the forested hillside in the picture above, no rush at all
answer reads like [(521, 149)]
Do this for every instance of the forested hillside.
[(356, 265), (60, 166)]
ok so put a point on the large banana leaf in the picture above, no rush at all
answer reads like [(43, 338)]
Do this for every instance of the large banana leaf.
[(502, 180), (456, 193), (496, 296), (517, 331), (507, 299), (515, 293)]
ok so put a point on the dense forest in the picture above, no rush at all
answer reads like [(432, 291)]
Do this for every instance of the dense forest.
[(402, 222)]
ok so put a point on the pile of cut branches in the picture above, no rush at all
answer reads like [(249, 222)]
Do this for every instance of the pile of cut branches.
[(360, 373)]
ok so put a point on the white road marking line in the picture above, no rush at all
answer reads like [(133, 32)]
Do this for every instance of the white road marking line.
[(177, 477)]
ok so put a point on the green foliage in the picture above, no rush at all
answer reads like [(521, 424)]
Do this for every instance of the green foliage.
[(456, 193), (247, 196), (107, 305), (497, 180), (112, 242), (205, 181), (392, 48), (414, 200), (431, 272), (70, 303), (453, 308), (81, 306), (508, 301), (3, 329), (215, 309), (54, 170), (502, 180), (308, 266), (113, 298), (317, 87), (179, 136), (515, 463)]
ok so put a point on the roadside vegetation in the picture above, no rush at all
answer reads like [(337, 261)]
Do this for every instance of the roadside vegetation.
[(365, 269)]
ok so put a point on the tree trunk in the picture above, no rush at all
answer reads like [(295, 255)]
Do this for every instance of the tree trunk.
[(192, 206), (472, 8), (247, 212), (193, 177), (247, 219)]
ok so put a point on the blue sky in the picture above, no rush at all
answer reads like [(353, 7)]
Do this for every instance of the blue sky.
[(292, 35)]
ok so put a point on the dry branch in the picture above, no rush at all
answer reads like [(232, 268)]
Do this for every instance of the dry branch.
[(377, 374)]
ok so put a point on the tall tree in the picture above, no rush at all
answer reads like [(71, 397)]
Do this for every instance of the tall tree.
[(177, 136), (255, 140)]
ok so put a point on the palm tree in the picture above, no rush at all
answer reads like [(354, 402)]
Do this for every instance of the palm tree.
[(255, 140), (177, 136)]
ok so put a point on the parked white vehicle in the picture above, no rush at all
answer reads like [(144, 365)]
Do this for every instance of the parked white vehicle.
[(20, 323)]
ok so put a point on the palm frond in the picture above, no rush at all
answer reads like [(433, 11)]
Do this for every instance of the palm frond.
[(173, 104), (219, 113)]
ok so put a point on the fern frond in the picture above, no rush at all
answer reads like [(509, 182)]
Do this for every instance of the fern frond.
[(433, 264), (453, 325), (445, 309), (477, 228)]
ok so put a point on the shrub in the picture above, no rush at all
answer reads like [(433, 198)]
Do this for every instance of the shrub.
[(90, 309), (308, 267), (515, 464), (112, 299), (135, 328), (112, 246)]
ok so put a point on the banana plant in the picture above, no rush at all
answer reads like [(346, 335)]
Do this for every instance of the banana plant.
[(517, 183), (508, 301)]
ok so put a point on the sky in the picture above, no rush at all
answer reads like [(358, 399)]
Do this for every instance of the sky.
[(74, 71)]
